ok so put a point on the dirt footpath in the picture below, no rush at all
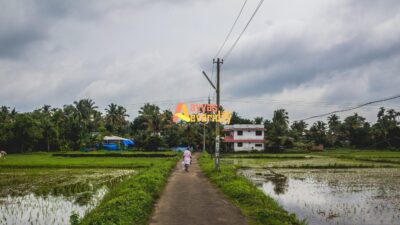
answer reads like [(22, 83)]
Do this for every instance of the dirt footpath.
[(190, 199)]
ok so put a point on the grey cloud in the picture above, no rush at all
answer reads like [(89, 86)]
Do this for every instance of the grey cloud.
[(24, 23), (127, 51), (275, 64)]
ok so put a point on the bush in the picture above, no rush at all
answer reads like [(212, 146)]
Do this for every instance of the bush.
[(153, 143)]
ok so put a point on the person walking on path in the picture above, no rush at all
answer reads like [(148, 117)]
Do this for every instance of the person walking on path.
[(187, 159)]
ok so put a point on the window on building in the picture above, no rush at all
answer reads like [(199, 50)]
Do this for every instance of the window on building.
[(258, 132), (258, 145), (240, 132), (240, 144)]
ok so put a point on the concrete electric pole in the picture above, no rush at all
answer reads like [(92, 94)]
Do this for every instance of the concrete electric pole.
[(217, 131), (217, 90)]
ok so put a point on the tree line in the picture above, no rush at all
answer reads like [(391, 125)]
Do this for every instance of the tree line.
[(353, 131), (81, 125)]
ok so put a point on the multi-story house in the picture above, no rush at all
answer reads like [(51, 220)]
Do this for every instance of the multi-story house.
[(244, 137)]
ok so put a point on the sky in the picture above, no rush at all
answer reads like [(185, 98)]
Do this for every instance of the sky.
[(307, 56)]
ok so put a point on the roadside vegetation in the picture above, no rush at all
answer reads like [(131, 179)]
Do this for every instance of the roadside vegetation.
[(131, 201), (258, 207)]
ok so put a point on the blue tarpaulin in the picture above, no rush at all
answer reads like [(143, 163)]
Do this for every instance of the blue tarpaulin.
[(128, 142), (110, 146), (117, 143)]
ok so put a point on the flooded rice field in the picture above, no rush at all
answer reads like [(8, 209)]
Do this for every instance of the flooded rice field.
[(51, 196), (334, 196), (305, 162)]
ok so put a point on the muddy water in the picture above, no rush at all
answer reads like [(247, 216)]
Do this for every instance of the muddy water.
[(341, 196)]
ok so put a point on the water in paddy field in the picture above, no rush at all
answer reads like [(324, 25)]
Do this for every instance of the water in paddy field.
[(51, 196), (330, 197), (33, 209)]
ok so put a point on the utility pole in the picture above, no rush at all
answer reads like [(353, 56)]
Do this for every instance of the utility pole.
[(204, 131), (204, 137), (217, 132), (217, 90)]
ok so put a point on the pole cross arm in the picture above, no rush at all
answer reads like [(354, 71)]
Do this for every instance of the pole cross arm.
[(204, 73)]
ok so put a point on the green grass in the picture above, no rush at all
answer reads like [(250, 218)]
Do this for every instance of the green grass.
[(120, 152), (258, 207), (267, 156), (378, 156), (341, 158), (131, 201), (46, 160)]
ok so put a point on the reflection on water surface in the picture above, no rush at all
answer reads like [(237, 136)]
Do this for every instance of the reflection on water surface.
[(327, 196)]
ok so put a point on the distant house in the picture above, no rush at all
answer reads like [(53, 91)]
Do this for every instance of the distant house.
[(244, 137)]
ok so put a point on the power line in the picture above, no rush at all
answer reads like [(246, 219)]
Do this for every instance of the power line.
[(230, 31), (244, 29), (305, 104), (353, 108)]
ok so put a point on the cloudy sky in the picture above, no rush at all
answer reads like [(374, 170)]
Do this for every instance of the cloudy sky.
[(308, 56)]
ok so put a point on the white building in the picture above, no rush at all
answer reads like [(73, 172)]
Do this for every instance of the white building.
[(244, 137)]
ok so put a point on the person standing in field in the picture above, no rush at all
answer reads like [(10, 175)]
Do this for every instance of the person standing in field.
[(3, 154), (187, 159)]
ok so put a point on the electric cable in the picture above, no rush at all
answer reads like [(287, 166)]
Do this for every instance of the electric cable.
[(230, 31), (244, 29)]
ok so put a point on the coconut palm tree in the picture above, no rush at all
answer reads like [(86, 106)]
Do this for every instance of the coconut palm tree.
[(317, 132), (115, 118)]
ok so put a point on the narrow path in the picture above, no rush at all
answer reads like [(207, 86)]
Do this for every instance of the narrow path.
[(190, 199)]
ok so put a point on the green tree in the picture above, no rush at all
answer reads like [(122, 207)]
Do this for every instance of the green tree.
[(277, 130), (7, 120), (317, 133), (50, 132), (116, 118), (236, 119), (298, 130), (385, 133), (334, 130), (258, 120), (357, 130), (26, 132)]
